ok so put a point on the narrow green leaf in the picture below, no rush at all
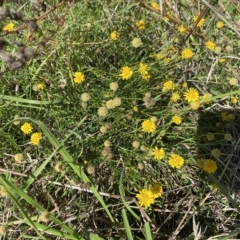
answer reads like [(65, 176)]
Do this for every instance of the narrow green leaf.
[(9, 185), (93, 236), (224, 192), (69, 160), (147, 231), (123, 199), (28, 101), (10, 192), (126, 225)]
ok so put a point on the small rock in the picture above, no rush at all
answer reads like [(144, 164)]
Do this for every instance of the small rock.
[(5, 56)]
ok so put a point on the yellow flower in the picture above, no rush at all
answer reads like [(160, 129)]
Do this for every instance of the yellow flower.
[(175, 97), (219, 24), (159, 56), (233, 81), (210, 166), (18, 157), (143, 68), (158, 153), (58, 167), (35, 138), (85, 97), (114, 35), (155, 5), (228, 137), (146, 76), (210, 45), (191, 95), (222, 60), (102, 111), (156, 190), (145, 198), (210, 136), (206, 97), (182, 29), (78, 77), (113, 86), (200, 23), (175, 161), (187, 53), (136, 144), (215, 152), (185, 85), (227, 117), (26, 128), (117, 101), (3, 192), (126, 73), (148, 126), (234, 100), (169, 85), (140, 25), (9, 27), (176, 119), (39, 86), (137, 42), (195, 105), (135, 109)]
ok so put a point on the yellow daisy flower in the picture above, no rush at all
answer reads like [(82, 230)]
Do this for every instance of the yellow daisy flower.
[(148, 126), (191, 95), (145, 198), (195, 105), (182, 29), (219, 24), (175, 97), (234, 100), (200, 23), (114, 35), (158, 154), (210, 45), (9, 27), (126, 73), (156, 190), (210, 166), (143, 68), (78, 77), (35, 138), (155, 5), (187, 53), (175, 161), (140, 25), (177, 119), (26, 128), (169, 85)]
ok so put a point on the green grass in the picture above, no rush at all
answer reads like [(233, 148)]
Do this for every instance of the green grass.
[(87, 169)]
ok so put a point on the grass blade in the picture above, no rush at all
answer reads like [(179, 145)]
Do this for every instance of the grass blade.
[(126, 225), (148, 231), (123, 199)]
